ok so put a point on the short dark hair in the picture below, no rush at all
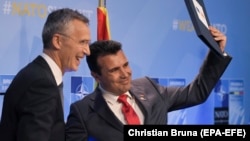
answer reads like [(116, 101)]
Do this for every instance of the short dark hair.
[(101, 48), (57, 22)]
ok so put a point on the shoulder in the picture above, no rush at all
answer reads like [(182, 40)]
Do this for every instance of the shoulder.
[(37, 66), (144, 84), (143, 81), (35, 74)]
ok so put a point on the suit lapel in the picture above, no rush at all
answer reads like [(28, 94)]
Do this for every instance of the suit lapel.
[(142, 100), (102, 109), (42, 62)]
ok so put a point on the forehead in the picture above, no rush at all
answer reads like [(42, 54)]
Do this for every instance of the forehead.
[(77, 26), (112, 60)]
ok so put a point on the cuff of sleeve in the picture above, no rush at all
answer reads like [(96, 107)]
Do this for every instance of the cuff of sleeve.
[(225, 54)]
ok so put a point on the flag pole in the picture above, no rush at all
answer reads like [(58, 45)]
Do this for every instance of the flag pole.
[(102, 3)]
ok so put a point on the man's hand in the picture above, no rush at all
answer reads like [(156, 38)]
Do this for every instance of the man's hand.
[(219, 37)]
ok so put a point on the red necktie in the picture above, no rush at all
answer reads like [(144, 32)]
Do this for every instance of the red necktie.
[(129, 113)]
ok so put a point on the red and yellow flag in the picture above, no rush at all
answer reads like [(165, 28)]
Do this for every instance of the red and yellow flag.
[(103, 30)]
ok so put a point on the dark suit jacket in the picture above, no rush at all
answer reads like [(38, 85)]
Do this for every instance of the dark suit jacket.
[(32, 108), (91, 118)]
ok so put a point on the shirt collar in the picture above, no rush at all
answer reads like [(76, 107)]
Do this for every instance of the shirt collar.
[(54, 67), (111, 97)]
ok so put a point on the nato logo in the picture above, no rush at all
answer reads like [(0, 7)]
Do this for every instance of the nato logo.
[(80, 87), (221, 94)]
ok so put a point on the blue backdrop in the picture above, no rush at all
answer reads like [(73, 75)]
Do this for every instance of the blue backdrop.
[(159, 40)]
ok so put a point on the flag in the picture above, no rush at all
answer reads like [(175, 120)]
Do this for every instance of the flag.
[(103, 30)]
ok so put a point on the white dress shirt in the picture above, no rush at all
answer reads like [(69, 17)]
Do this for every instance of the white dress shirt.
[(116, 106)]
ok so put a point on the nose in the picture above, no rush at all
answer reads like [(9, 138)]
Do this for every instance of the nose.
[(86, 50), (124, 72)]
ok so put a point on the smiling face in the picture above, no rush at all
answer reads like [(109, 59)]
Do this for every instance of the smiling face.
[(115, 74), (74, 45)]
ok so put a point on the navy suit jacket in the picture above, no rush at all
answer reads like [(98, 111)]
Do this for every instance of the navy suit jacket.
[(91, 118), (32, 108)]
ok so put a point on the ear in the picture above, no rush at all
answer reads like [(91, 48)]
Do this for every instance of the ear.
[(56, 41), (96, 76)]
